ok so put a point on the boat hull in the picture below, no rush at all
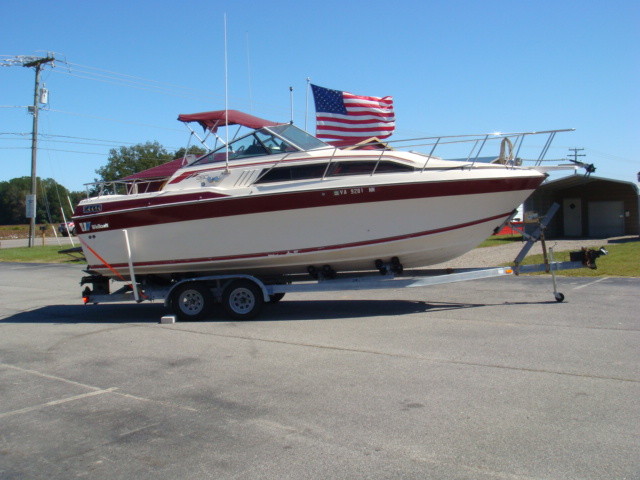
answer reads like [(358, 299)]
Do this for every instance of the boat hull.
[(269, 232)]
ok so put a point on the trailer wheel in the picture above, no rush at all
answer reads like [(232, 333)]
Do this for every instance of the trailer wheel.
[(559, 297), (242, 299), (192, 301)]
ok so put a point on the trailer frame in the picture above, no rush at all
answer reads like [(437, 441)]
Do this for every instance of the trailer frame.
[(243, 295)]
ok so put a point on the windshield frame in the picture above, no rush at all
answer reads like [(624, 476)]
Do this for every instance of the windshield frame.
[(256, 144)]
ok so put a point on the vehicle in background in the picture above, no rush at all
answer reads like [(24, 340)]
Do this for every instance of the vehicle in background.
[(67, 229)]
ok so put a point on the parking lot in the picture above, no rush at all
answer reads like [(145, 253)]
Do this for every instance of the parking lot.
[(488, 379)]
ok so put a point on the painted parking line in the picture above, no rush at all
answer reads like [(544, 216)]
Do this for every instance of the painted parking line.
[(56, 402), (590, 283), (95, 391)]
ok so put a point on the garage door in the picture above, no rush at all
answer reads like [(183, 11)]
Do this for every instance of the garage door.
[(606, 219)]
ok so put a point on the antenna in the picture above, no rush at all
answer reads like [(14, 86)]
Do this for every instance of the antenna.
[(306, 104), (249, 73), (226, 96), (291, 103)]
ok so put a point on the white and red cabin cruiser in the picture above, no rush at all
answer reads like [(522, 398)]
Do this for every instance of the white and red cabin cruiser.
[(280, 201)]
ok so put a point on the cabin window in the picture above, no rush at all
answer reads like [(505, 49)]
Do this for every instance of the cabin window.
[(307, 172), (299, 172), (367, 167)]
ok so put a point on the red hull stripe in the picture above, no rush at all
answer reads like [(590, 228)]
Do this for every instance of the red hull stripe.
[(310, 250), (139, 214), (159, 201)]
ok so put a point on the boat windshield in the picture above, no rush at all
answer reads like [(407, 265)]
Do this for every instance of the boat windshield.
[(298, 137), (265, 141)]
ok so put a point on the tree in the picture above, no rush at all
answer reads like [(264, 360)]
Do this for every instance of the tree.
[(125, 161), (51, 196), (192, 150)]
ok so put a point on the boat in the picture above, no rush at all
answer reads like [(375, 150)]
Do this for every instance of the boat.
[(279, 201)]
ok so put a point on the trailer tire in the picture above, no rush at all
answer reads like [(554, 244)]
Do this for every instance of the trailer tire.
[(242, 299), (276, 297), (192, 301)]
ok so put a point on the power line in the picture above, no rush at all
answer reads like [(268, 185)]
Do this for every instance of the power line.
[(54, 150), (49, 138), (169, 85), (112, 81), (140, 83), (46, 137), (115, 120)]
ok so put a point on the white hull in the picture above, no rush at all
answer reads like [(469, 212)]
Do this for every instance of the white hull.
[(420, 231)]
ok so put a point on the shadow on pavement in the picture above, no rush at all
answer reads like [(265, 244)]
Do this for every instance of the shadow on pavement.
[(284, 311)]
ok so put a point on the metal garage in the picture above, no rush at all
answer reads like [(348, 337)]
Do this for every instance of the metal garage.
[(589, 207)]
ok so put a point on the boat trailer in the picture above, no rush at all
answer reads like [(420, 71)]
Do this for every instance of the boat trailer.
[(243, 296)]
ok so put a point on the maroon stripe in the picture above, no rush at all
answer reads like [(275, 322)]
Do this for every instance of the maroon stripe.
[(147, 202), (311, 250), (231, 206)]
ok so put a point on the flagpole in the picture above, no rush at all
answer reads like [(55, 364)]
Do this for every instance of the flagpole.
[(306, 104)]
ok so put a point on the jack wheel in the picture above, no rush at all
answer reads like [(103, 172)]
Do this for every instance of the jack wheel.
[(192, 301), (559, 297), (242, 299)]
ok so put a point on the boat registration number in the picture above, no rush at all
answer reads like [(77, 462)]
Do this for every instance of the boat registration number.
[(353, 191)]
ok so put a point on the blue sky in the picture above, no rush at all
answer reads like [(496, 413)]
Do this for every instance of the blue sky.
[(127, 69)]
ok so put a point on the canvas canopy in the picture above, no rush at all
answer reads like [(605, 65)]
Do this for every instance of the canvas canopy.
[(213, 120)]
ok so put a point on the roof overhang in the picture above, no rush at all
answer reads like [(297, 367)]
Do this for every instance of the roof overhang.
[(581, 180)]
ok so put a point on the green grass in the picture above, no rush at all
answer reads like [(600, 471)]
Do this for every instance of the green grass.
[(623, 261), (497, 240), (46, 254)]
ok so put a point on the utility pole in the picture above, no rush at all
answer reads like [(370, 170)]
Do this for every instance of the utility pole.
[(575, 154), (37, 63), (588, 167)]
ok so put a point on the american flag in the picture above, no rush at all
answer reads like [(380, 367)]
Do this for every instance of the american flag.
[(344, 116)]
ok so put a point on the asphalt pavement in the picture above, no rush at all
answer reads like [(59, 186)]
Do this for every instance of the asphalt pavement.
[(487, 379)]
